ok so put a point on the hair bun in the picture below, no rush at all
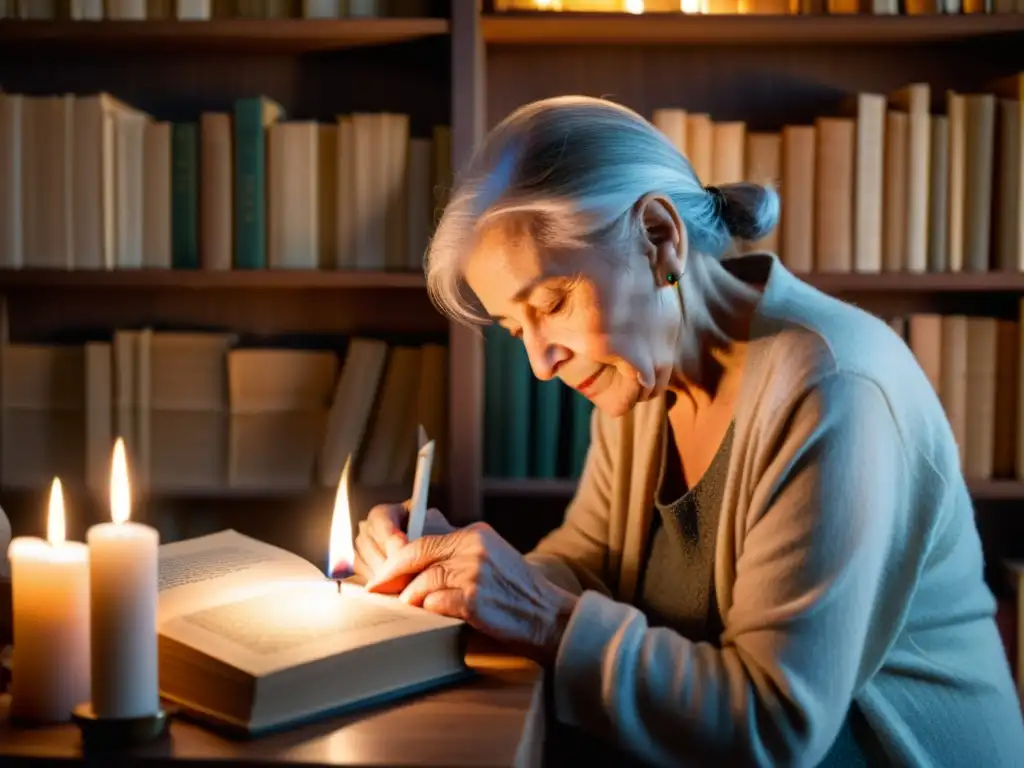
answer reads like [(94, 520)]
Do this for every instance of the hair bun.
[(748, 211)]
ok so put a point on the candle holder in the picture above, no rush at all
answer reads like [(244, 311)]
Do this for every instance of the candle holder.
[(117, 732)]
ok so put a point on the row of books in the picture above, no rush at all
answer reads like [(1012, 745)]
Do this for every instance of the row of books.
[(532, 428), (885, 186), (200, 413), (204, 10), (536, 429), (89, 182), (767, 7), (976, 365)]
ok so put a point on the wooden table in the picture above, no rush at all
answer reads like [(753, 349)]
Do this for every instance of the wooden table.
[(496, 719)]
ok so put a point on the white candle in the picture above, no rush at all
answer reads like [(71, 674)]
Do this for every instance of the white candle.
[(123, 593), (50, 596)]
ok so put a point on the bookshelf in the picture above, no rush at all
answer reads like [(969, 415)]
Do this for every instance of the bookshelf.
[(466, 67), (177, 71), (262, 36), (142, 279), (768, 71), (582, 29)]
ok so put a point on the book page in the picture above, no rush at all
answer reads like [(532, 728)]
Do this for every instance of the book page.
[(297, 623), (224, 567)]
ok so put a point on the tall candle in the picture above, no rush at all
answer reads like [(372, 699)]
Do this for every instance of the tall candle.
[(50, 606), (123, 592)]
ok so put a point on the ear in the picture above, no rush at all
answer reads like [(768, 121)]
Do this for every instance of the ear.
[(664, 237)]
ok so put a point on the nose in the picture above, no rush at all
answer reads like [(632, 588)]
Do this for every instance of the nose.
[(545, 356)]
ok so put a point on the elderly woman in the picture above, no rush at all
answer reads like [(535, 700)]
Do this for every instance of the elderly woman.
[(771, 558)]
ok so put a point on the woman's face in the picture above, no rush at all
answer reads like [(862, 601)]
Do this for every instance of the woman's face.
[(607, 324)]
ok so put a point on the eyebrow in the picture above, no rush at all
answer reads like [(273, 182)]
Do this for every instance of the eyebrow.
[(525, 292)]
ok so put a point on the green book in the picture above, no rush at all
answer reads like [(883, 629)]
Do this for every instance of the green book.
[(518, 410), (185, 196), (547, 426), (494, 455), (252, 118)]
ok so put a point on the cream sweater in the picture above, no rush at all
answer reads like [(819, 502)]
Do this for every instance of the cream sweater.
[(848, 567)]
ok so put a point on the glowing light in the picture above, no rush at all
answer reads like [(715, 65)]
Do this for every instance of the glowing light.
[(120, 488), (341, 552), (55, 526)]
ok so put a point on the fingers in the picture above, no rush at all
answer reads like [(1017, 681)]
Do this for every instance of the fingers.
[(447, 602), (385, 520), (386, 526), (360, 567), (392, 586), (363, 571), (410, 560), (394, 543), (430, 580), (369, 550)]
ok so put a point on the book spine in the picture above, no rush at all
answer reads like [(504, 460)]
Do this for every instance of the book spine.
[(518, 381), (547, 423), (250, 186), (185, 196), (494, 433)]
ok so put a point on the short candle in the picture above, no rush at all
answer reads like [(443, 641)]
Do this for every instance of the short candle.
[(123, 570), (50, 606)]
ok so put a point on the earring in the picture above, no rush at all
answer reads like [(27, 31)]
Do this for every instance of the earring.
[(671, 278)]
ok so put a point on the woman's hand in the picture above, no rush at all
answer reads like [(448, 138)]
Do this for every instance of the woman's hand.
[(475, 575), (382, 534)]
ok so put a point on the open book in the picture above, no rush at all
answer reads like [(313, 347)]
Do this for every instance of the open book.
[(254, 638)]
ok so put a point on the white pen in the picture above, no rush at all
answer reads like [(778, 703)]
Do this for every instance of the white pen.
[(420, 486)]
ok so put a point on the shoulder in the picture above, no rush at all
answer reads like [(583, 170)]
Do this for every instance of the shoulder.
[(846, 360), (804, 334), (813, 334), (800, 335)]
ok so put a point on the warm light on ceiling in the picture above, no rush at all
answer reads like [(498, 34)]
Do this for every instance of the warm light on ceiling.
[(635, 6)]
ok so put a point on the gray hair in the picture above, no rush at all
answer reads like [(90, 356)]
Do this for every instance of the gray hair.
[(571, 170)]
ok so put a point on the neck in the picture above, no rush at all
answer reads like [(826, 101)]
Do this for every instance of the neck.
[(717, 310)]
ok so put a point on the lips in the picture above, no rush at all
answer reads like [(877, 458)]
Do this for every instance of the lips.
[(582, 386)]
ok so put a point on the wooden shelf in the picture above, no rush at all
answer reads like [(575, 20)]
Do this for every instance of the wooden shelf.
[(226, 35), (208, 280), (672, 29), (896, 282), (983, 490), (997, 490), (905, 282)]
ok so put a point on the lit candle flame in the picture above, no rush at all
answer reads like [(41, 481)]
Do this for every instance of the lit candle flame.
[(120, 490), (341, 553), (690, 6), (635, 6), (55, 526)]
